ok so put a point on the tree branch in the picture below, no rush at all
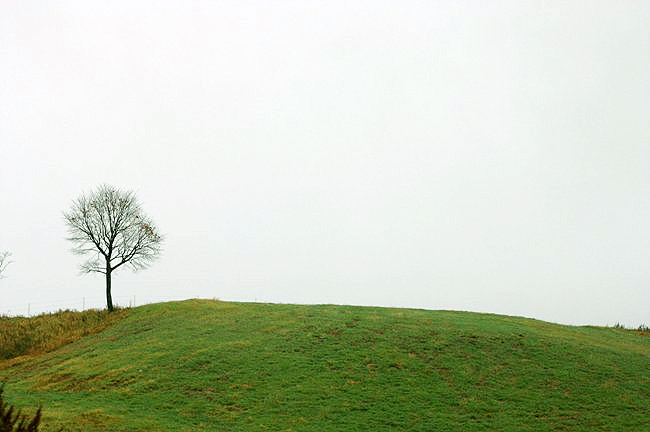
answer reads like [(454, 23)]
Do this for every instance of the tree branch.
[(110, 223)]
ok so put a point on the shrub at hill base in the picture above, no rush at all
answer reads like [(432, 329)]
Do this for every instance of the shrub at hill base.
[(21, 336), (11, 421)]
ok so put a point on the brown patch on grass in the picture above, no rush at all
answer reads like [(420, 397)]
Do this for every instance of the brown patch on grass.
[(643, 331), (95, 420)]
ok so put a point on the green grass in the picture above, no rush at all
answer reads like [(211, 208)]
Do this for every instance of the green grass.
[(209, 365)]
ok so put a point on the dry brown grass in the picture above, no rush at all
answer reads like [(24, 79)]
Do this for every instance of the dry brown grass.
[(21, 336)]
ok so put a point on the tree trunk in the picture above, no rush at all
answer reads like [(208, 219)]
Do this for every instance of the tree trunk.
[(109, 299)]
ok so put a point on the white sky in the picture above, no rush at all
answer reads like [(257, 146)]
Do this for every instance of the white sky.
[(483, 156)]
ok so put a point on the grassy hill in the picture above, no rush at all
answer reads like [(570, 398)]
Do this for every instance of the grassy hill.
[(208, 365)]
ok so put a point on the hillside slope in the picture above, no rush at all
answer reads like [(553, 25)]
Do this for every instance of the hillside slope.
[(209, 365)]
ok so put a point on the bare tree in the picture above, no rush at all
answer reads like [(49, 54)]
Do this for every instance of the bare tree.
[(4, 262), (108, 224)]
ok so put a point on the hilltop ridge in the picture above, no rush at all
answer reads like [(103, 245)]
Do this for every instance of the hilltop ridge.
[(209, 365)]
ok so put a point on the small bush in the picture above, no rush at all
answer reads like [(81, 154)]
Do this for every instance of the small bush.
[(11, 421)]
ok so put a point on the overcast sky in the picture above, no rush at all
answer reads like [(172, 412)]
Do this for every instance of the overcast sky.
[(467, 155)]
